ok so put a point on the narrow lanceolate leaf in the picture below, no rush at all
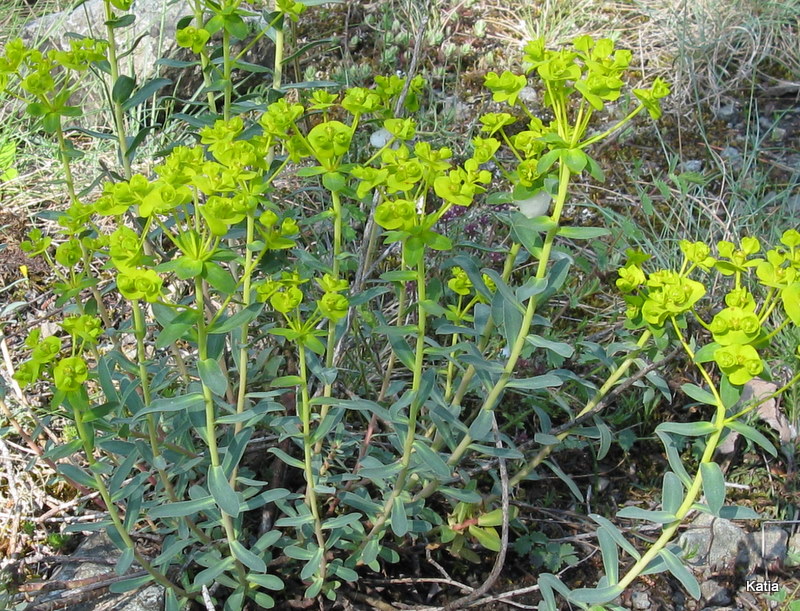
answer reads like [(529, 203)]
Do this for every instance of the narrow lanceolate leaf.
[(687, 429), (616, 534), (608, 548), (713, 486), (672, 492), (221, 490), (248, 558), (595, 596), (674, 458), (637, 513), (181, 508), (753, 435), (212, 376), (699, 394), (172, 404), (681, 573)]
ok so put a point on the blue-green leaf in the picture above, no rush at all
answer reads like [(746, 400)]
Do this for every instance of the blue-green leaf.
[(224, 495), (399, 519), (248, 558), (608, 549), (582, 233), (560, 348), (681, 573), (687, 429), (672, 492), (616, 534), (172, 404), (713, 486), (212, 376), (753, 435), (595, 596), (698, 394), (637, 513), (145, 91)]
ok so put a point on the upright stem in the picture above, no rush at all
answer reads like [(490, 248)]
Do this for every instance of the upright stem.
[(65, 162), (694, 489), (204, 62), (594, 402), (211, 435), (277, 72), (246, 301), (227, 69), (308, 456), (140, 332), (96, 470), (119, 117), (330, 350), (413, 413), (515, 350)]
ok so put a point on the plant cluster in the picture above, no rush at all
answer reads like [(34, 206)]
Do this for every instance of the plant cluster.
[(250, 317)]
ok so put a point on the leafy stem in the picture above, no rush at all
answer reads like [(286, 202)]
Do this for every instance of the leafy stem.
[(119, 117), (87, 439), (308, 457), (413, 413), (211, 435)]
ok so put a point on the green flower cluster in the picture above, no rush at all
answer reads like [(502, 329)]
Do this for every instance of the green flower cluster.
[(737, 330), (68, 373), (591, 71), (32, 76)]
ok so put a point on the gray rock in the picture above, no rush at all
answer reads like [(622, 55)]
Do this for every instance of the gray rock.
[(726, 112), (767, 547), (719, 543), (692, 165), (733, 156), (715, 594), (96, 557), (640, 600), (713, 542)]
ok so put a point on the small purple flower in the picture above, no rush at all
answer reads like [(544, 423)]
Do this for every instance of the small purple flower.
[(454, 213), (472, 230), (497, 258)]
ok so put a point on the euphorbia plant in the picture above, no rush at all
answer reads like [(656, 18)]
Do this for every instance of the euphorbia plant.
[(253, 296)]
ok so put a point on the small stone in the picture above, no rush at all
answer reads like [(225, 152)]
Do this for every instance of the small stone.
[(726, 112), (713, 542), (793, 204), (640, 601), (778, 134), (528, 95), (692, 165), (733, 156), (766, 547), (715, 594)]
